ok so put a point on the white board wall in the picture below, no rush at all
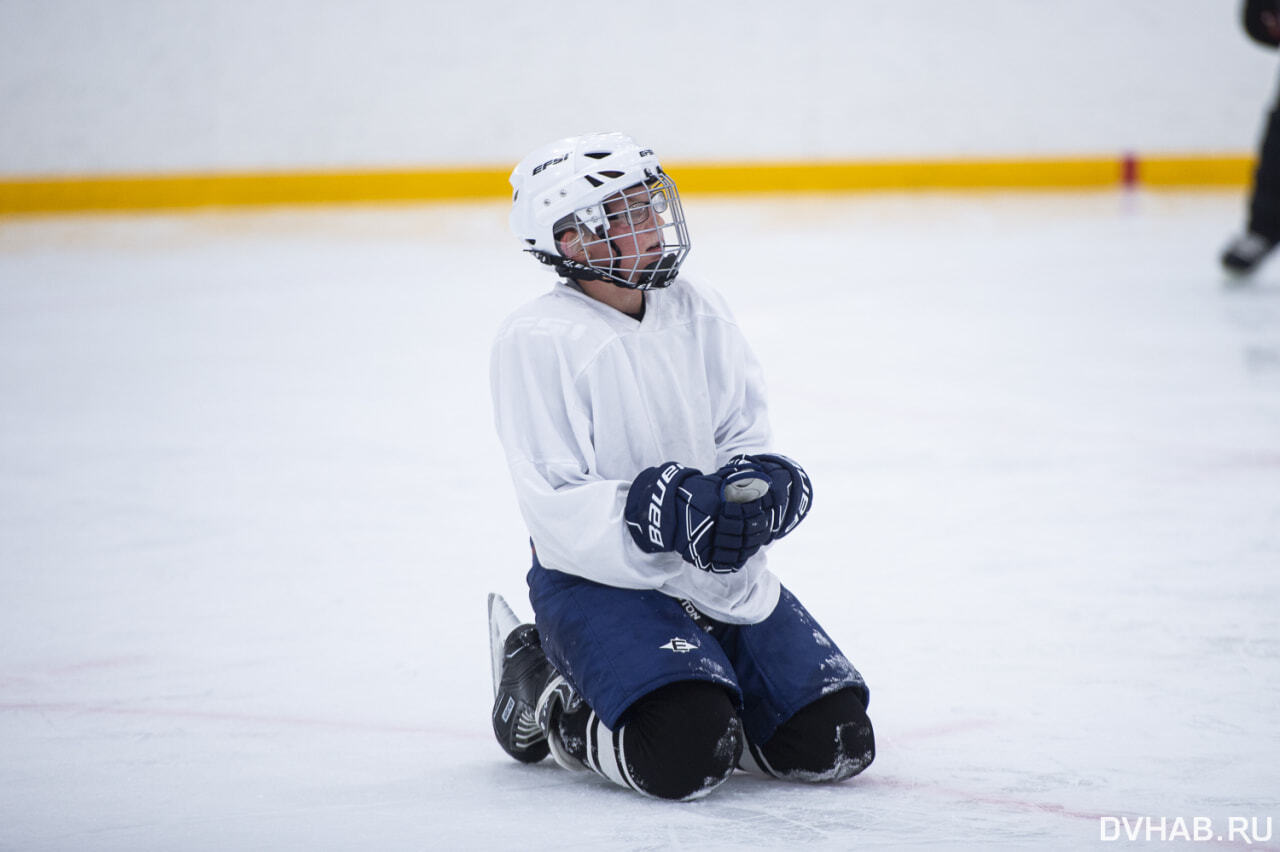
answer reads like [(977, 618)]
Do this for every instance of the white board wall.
[(110, 86)]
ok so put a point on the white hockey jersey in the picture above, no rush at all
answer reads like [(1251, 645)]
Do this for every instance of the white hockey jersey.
[(585, 397)]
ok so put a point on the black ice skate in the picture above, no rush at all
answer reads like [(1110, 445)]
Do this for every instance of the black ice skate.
[(1243, 255), (560, 699), (520, 672)]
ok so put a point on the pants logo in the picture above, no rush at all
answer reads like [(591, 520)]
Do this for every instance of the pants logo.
[(678, 645)]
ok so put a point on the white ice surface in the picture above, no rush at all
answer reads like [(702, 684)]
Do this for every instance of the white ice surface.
[(251, 503)]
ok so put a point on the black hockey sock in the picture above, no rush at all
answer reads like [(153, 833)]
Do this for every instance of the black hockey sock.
[(678, 742), (828, 740)]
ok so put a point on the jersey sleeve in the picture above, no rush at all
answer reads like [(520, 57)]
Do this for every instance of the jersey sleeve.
[(573, 514)]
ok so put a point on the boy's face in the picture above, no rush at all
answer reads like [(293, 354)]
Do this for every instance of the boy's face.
[(632, 240)]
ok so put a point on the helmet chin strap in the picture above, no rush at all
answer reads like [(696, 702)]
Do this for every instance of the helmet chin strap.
[(655, 277), (659, 273)]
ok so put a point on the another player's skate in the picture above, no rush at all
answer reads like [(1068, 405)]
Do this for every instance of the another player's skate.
[(1246, 252), (520, 672)]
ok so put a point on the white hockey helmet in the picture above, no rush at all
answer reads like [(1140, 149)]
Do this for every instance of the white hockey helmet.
[(613, 195)]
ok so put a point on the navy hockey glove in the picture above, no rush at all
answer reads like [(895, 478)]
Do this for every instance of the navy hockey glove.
[(747, 513), (791, 490), (676, 508)]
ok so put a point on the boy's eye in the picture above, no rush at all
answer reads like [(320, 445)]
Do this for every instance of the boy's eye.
[(639, 211)]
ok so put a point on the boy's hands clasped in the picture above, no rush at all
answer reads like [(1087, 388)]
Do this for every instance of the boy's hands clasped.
[(671, 507)]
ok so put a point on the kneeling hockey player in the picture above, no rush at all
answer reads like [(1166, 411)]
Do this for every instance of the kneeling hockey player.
[(633, 417)]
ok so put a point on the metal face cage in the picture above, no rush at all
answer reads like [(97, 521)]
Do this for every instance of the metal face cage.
[(636, 237)]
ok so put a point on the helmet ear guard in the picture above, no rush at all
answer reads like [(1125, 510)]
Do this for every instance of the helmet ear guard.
[(616, 200)]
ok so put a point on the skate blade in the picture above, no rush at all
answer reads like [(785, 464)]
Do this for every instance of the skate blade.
[(501, 622)]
